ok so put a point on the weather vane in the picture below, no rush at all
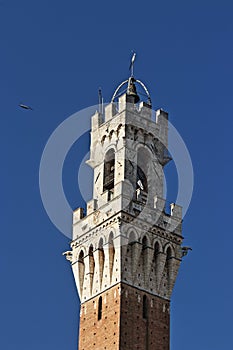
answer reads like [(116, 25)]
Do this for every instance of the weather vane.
[(132, 62)]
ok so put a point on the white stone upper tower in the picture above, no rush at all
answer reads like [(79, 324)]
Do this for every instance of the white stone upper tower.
[(126, 238)]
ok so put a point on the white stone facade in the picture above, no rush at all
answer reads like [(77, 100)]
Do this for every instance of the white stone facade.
[(126, 235)]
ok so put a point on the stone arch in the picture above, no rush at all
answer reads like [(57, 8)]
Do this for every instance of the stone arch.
[(82, 248), (132, 237), (168, 268), (139, 135), (168, 245), (103, 139), (111, 253), (109, 170), (131, 233), (81, 269), (143, 161), (132, 251), (158, 242), (144, 256), (118, 130), (145, 236), (156, 262), (101, 257), (91, 266), (111, 134), (96, 241)]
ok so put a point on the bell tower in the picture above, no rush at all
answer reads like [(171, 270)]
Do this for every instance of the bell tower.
[(126, 250)]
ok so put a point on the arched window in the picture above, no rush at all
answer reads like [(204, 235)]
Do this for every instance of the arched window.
[(168, 260), (141, 180), (132, 237), (109, 169), (143, 160), (144, 307), (81, 268), (100, 308)]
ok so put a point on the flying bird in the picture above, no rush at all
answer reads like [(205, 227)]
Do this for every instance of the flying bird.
[(25, 106)]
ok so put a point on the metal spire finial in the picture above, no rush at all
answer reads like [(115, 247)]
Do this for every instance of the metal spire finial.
[(132, 62)]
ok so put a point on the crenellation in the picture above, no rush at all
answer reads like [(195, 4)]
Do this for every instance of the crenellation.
[(78, 215), (126, 251), (92, 206), (110, 111), (176, 211), (96, 120), (145, 110)]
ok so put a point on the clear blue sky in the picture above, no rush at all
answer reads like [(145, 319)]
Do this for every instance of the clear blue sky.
[(54, 56)]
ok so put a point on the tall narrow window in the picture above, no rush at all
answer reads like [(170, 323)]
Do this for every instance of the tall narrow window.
[(100, 308), (144, 309), (143, 159), (109, 168), (168, 261)]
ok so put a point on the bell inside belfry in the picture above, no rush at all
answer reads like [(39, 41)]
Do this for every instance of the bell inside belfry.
[(132, 96)]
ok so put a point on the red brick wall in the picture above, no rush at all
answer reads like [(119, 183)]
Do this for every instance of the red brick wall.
[(122, 326), (136, 332), (102, 334)]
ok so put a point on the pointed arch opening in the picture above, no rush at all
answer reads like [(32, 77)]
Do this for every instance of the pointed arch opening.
[(91, 266), (109, 170), (132, 238), (144, 256), (142, 171), (156, 257), (168, 259), (81, 269), (111, 252), (101, 260), (168, 265), (131, 251)]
